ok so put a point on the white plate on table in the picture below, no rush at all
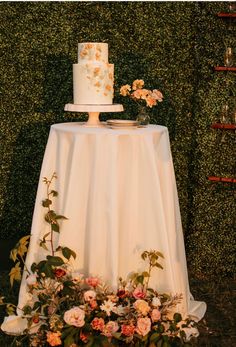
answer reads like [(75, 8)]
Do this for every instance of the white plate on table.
[(122, 124)]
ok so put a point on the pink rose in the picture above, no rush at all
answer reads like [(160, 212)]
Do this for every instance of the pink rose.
[(139, 293), (155, 315), (92, 281), (89, 295), (98, 324), (143, 326), (54, 338), (110, 328), (75, 316), (127, 330)]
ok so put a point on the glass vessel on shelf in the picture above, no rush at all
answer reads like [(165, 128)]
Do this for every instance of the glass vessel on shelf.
[(228, 57)]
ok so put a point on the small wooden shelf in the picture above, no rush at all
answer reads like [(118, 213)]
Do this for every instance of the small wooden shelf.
[(223, 126), (222, 179), (225, 68), (226, 15)]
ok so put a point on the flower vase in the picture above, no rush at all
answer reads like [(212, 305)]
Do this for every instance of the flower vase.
[(143, 117)]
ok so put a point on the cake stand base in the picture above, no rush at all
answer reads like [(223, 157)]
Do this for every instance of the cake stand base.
[(93, 112)]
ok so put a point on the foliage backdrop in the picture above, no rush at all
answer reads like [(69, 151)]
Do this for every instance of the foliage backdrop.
[(172, 46)]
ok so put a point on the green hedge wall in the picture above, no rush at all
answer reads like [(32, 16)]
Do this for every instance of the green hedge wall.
[(172, 46)]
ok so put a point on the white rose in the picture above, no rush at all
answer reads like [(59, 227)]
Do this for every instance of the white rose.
[(75, 316), (31, 279), (89, 295), (190, 332), (14, 325), (156, 302)]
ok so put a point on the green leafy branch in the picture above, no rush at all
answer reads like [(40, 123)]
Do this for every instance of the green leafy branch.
[(18, 253), (153, 262), (51, 216)]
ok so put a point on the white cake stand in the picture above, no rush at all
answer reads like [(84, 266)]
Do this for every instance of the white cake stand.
[(93, 111)]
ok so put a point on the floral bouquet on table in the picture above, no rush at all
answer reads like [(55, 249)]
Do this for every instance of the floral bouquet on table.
[(143, 97), (66, 308)]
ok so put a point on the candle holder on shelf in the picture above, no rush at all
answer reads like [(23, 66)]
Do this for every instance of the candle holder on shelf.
[(93, 112), (228, 57)]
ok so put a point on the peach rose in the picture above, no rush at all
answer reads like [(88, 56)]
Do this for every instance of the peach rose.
[(124, 90), (137, 94), (98, 324), (110, 328), (143, 326), (138, 84), (142, 307), (155, 315), (75, 316), (156, 94), (127, 330), (151, 101), (54, 339)]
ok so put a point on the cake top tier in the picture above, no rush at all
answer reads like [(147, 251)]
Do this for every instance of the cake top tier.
[(92, 51)]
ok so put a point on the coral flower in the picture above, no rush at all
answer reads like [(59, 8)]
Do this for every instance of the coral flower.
[(128, 330), (54, 339)]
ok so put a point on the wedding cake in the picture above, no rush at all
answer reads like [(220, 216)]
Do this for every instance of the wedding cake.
[(93, 76)]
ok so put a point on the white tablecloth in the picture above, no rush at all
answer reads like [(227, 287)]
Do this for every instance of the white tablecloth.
[(117, 188)]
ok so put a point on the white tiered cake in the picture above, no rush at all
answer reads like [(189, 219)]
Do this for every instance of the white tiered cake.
[(93, 76)]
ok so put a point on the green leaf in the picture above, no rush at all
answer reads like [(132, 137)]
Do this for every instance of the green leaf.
[(54, 260), (140, 279), (54, 193), (154, 337), (50, 216), (67, 253), (145, 274), (67, 331), (177, 317), (160, 254), (69, 341), (46, 202), (43, 245), (158, 265), (60, 217), (55, 227)]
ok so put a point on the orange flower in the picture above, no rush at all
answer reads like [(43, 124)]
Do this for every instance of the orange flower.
[(54, 339), (108, 87), (151, 101), (83, 53), (138, 84), (97, 55), (96, 71), (124, 90)]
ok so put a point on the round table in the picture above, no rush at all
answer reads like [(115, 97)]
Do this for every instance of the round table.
[(117, 188)]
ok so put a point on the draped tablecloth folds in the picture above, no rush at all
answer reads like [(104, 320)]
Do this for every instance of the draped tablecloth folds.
[(117, 188)]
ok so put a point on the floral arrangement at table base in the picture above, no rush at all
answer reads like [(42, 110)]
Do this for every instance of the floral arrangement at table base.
[(66, 308)]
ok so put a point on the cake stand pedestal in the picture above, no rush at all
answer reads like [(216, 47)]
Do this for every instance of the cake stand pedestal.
[(93, 111)]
